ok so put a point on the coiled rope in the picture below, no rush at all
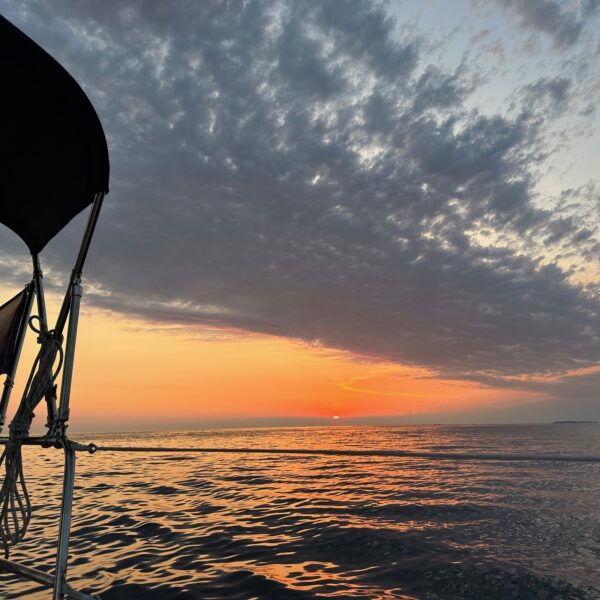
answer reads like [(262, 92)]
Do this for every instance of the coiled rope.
[(15, 505)]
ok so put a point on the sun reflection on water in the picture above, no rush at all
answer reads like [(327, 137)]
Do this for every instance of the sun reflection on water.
[(235, 525)]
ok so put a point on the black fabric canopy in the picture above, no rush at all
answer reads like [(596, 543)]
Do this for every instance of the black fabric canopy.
[(53, 152)]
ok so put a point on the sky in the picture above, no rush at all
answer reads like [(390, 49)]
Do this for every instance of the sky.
[(387, 212)]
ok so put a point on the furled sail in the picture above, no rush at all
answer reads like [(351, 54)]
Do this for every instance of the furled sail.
[(12, 314), (53, 150)]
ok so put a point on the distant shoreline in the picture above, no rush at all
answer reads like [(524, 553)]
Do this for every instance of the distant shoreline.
[(559, 422)]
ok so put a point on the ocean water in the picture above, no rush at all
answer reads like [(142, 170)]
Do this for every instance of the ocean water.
[(266, 526)]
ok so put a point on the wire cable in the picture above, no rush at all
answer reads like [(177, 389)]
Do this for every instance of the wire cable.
[(490, 456)]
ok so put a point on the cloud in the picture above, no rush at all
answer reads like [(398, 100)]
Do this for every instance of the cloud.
[(563, 25), (553, 91), (309, 171)]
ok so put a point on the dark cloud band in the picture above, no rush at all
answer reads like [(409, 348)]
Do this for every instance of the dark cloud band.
[(306, 170)]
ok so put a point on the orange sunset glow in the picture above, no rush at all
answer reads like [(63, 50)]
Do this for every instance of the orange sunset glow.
[(154, 374)]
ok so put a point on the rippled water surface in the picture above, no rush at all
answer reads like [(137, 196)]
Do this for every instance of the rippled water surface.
[(262, 526)]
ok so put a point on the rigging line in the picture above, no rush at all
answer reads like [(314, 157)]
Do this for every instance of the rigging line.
[(489, 456)]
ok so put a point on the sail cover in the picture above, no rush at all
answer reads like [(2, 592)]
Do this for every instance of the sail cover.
[(11, 316), (53, 152)]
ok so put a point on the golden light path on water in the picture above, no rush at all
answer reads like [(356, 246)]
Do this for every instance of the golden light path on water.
[(262, 526)]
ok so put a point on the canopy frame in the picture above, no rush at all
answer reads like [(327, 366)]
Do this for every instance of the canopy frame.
[(56, 163), (58, 415)]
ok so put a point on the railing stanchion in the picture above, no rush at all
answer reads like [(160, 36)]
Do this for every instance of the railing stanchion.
[(62, 553)]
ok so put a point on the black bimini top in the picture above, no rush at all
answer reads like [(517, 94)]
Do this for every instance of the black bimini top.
[(53, 152)]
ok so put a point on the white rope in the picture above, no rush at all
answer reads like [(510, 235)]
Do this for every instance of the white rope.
[(15, 504)]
